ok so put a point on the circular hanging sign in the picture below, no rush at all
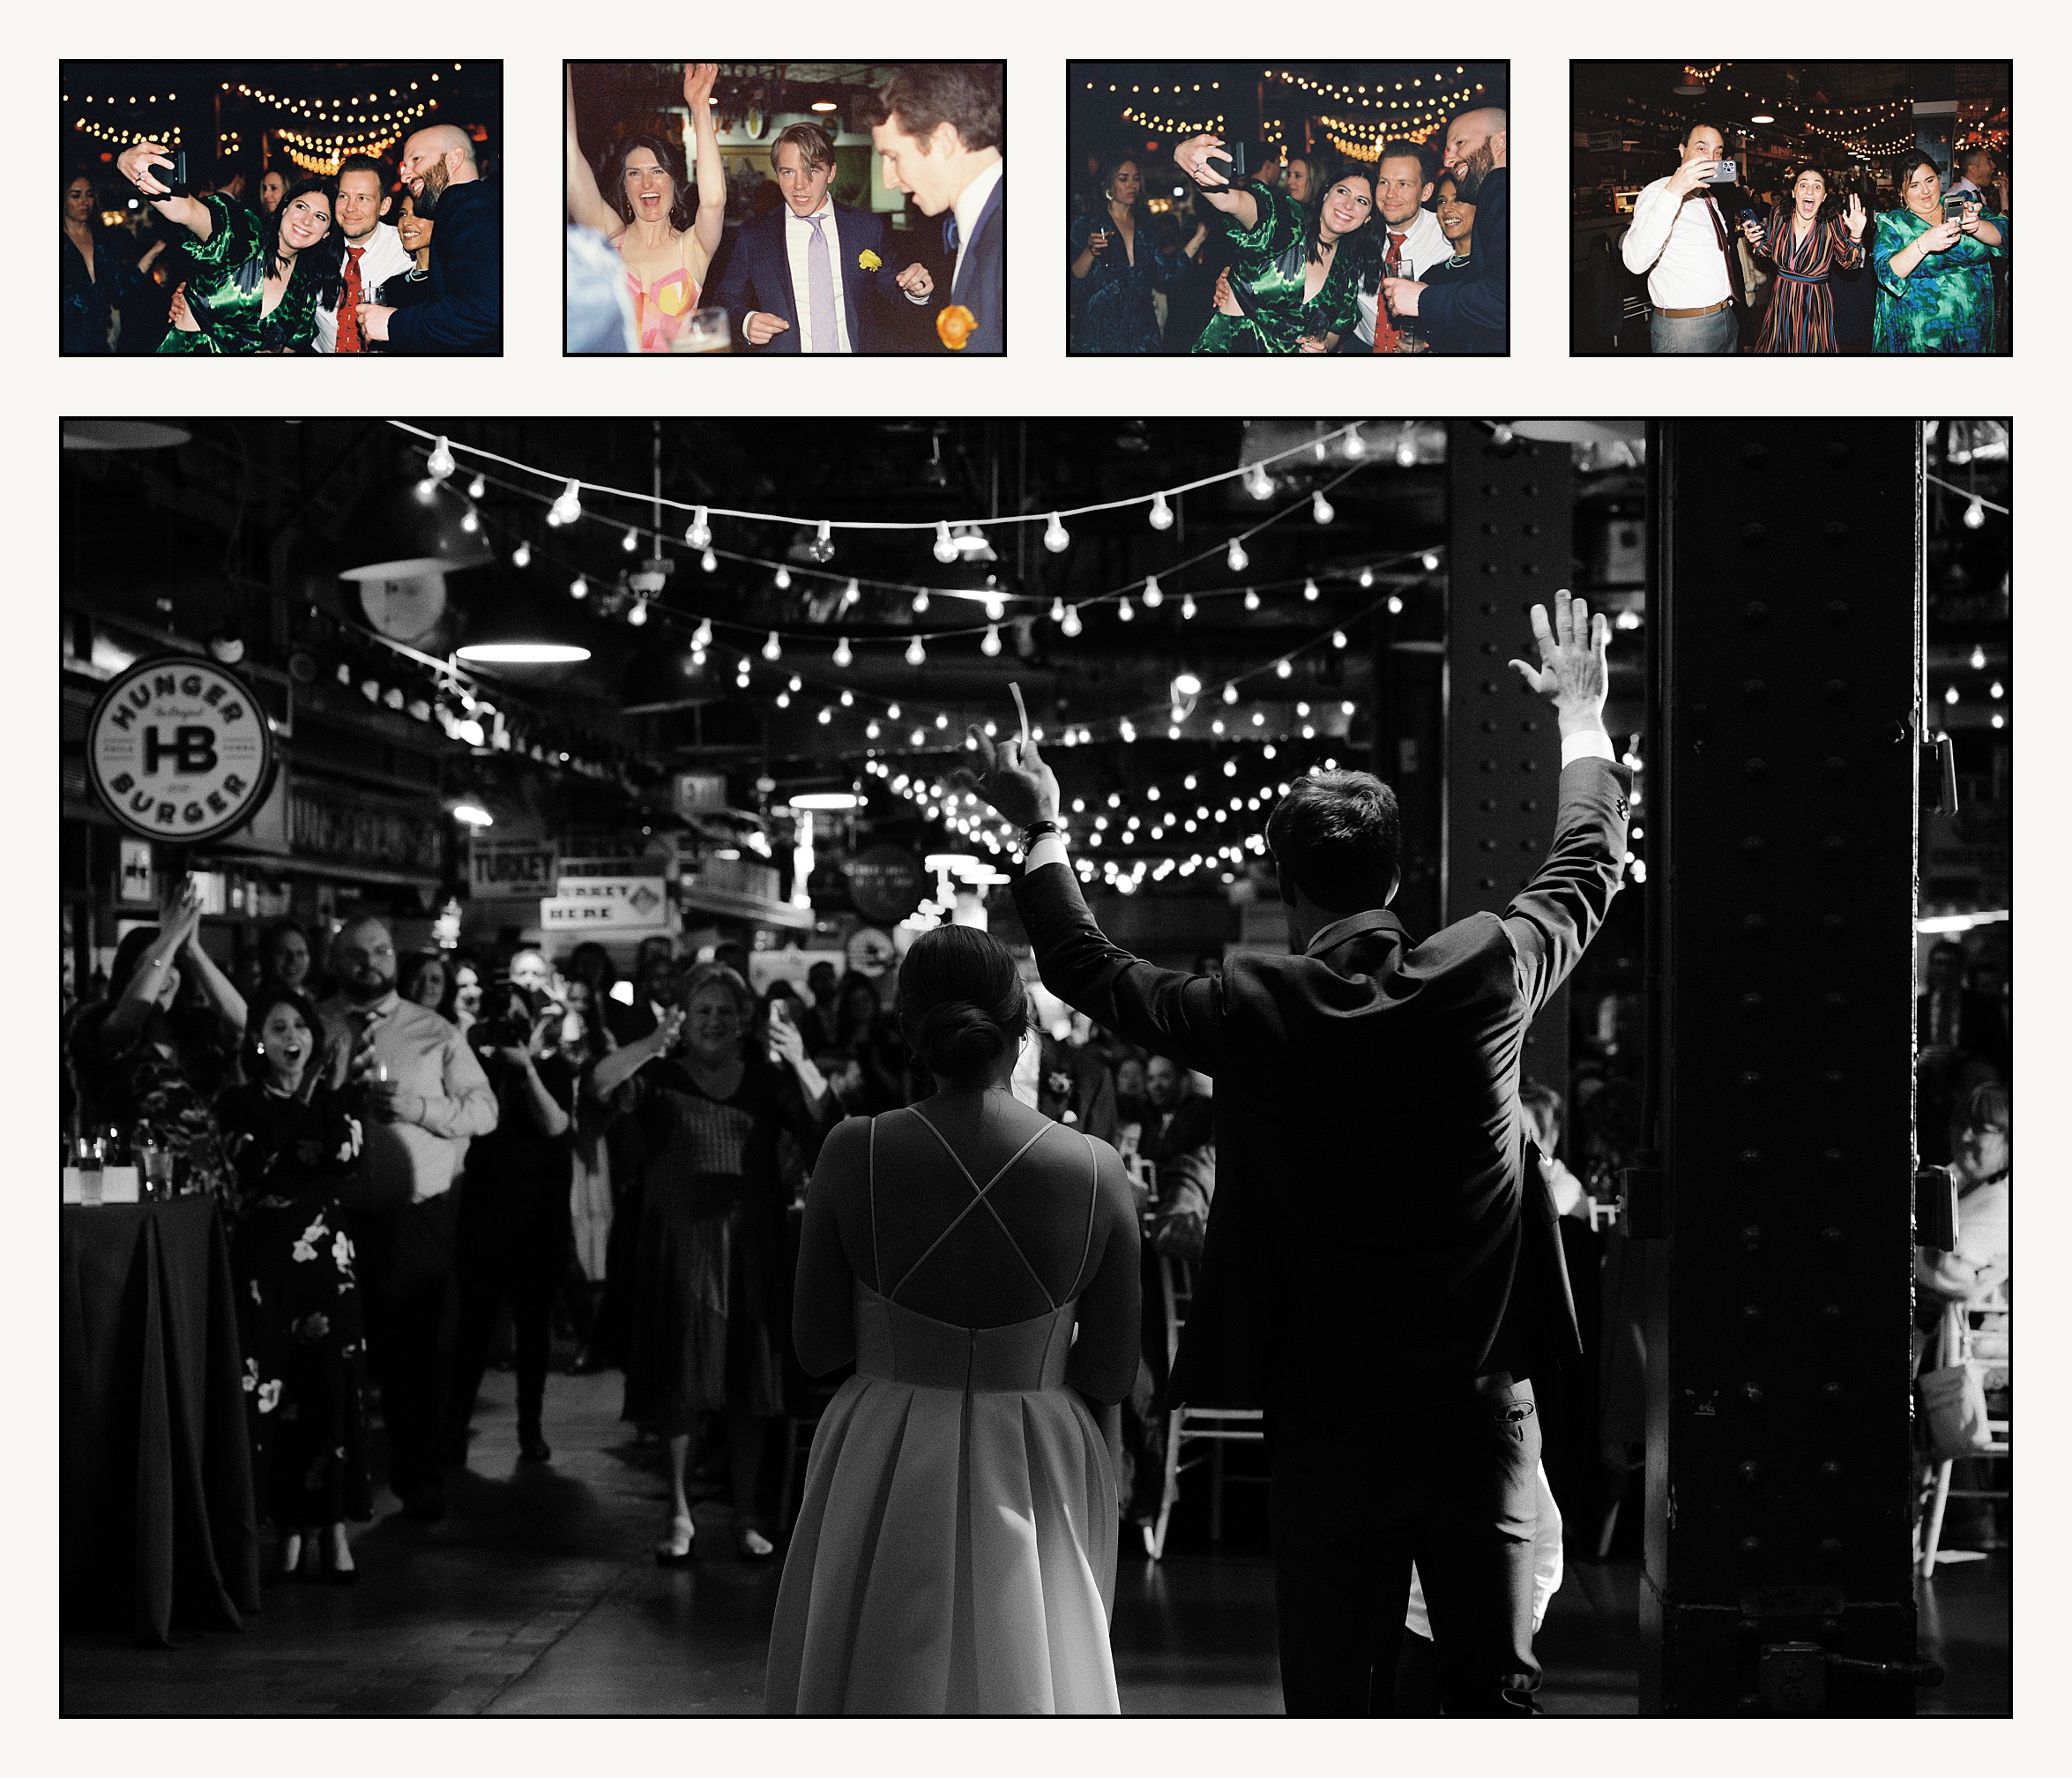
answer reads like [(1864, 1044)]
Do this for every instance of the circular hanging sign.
[(870, 951), (179, 749), (887, 883)]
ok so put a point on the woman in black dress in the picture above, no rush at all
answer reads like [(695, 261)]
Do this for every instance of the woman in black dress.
[(94, 276), (712, 1293), (294, 1137), (1117, 265)]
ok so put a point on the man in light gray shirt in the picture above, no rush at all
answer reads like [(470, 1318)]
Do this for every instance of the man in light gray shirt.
[(427, 1096)]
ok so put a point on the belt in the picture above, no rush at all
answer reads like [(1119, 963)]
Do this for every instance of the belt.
[(1693, 314), (1801, 277)]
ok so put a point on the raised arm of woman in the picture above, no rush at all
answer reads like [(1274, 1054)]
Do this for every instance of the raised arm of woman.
[(135, 164), (130, 1014), (710, 171), (224, 999), (614, 1071), (586, 204), (1193, 158)]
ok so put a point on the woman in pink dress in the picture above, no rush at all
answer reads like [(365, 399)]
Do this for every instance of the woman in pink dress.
[(647, 215)]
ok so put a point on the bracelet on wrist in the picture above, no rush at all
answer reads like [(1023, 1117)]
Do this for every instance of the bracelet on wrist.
[(1035, 830)]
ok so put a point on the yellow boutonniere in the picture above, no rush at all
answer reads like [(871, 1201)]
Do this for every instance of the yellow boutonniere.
[(955, 325), (868, 260)]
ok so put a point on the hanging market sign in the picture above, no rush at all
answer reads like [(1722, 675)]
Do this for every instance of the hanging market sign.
[(507, 869), (179, 749), (887, 883), (618, 904)]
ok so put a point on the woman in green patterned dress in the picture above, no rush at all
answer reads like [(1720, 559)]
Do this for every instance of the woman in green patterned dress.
[(259, 281), (1295, 269), (1934, 270)]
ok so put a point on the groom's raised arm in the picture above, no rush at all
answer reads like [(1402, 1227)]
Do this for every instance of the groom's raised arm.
[(1165, 1011)]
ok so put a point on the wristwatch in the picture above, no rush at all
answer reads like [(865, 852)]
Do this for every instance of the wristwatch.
[(1034, 831)]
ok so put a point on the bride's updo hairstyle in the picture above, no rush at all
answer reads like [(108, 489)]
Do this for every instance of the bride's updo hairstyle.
[(962, 1005)]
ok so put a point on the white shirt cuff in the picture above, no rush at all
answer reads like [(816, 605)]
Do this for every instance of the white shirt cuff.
[(1593, 744), (914, 298), (1050, 849)]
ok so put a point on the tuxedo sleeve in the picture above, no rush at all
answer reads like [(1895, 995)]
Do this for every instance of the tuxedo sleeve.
[(1557, 914), (1482, 304), (1165, 1011), (733, 287), (467, 314)]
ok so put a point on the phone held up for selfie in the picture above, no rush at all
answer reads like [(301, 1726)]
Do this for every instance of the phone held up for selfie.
[(1723, 174), (173, 178)]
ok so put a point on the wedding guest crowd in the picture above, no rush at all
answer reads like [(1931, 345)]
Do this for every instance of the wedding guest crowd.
[(373, 258), (1824, 267)]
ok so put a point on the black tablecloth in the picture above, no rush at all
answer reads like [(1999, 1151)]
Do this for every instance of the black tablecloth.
[(159, 1523)]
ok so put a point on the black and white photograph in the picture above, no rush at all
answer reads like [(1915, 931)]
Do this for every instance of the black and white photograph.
[(225, 208), (767, 209), (1183, 1067), (1320, 208), (1788, 208)]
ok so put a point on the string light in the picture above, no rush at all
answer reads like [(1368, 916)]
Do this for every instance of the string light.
[(630, 541), (1310, 591), (439, 464), (843, 656), (637, 615), (580, 587), (990, 646), (522, 556), (1069, 622), (1235, 556), (1161, 514), (1320, 509), (698, 533), (916, 655), (773, 649), (1251, 599), (945, 549), (568, 507), (1154, 595), (1056, 539)]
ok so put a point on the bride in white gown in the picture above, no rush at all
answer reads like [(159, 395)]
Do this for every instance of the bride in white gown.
[(955, 1551)]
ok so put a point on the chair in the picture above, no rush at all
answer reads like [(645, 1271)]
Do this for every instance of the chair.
[(1214, 1427), (1986, 1350)]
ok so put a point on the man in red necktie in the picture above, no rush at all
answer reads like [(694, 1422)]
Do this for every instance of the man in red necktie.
[(1413, 242), (374, 252)]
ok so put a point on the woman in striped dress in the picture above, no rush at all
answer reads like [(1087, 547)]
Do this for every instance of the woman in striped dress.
[(1804, 249)]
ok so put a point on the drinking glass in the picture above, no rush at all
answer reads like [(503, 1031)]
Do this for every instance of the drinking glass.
[(90, 1151), (157, 1161), (704, 330)]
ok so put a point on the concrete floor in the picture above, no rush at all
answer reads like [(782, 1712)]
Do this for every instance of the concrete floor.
[(537, 1595)]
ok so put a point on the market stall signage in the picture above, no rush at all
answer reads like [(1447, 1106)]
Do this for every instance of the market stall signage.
[(513, 869), (179, 749), (619, 904), (887, 883)]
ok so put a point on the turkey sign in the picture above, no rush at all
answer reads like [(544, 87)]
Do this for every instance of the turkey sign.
[(179, 749)]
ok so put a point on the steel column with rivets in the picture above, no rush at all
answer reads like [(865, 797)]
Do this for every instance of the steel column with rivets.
[(1509, 516), (1782, 838)]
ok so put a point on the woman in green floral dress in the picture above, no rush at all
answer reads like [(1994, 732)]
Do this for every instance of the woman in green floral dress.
[(1295, 269), (259, 281), (1934, 270)]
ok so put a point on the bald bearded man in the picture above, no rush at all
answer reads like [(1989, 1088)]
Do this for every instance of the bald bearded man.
[(1475, 315), (464, 312)]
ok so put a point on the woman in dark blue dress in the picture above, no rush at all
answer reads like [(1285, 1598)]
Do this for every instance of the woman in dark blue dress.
[(94, 276), (1115, 266)]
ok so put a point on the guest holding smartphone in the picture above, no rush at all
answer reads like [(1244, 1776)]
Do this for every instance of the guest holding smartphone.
[(1928, 257), (1805, 242)]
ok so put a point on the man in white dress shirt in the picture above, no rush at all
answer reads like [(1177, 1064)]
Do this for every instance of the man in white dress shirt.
[(1680, 239), (1411, 240), (374, 251), (804, 278), (939, 134)]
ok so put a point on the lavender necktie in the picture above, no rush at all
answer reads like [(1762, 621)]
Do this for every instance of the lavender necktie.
[(820, 288)]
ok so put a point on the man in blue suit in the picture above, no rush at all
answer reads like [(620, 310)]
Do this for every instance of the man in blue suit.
[(939, 137), (807, 277), (464, 312), (1474, 316)]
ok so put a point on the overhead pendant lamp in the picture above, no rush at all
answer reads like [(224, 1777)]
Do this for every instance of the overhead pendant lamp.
[(510, 626)]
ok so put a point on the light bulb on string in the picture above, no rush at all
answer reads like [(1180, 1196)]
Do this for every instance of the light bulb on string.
[(1320, 509), (1337, 639), (1310, 591), (942, 719), (782, 579), (990, 646), (919, 737), (1057, 610), (1125, 610), (439, 464), (637, 615), (1187, 607), (1127, 729), (921, 601), (851, 594), (848, 697), (1056, 539), (773, 648), (843, 654), (698, 534), (870, 730), (1367, 577), (1430, 558), (822, 549), (1395, 604), (1302, 709), (703, 639), (1161, 514), (1355, 445), (1251, 599), (1346, 707), (1235, 556), (945, 546), (477, 487), (522, 556), (1154, 595), (580, 587), (630, 541), (995, 609), (1230, 691), (1258, 483), (784, 700), (1974, 515), (915, 653), (1230, 768), (1069, 622), (892, 713), (709, 561), (1282, 668), (796, 684), (568, 504), (826, 715)]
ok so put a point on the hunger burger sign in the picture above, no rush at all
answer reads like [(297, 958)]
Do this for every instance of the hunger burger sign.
[(179, 750)]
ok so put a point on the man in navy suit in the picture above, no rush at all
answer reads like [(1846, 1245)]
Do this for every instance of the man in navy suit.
[(808, 276), (939, 136), (1474, 316), (1381, 1270), (464, 312)]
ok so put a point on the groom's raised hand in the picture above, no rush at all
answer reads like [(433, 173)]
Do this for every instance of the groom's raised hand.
[(1011, 776), (1573, 671)]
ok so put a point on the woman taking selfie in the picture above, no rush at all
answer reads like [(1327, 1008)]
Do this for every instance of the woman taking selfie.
[(1805, 246), (712, 1292), (259, 279), (1934, 268), (1295, 269)]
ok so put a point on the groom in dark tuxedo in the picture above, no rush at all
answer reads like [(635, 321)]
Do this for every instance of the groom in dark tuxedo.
[(939, 134), (1381, 1270), (808, 276)]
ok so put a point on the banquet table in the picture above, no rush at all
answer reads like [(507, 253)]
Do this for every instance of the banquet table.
[(159, 1525)]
